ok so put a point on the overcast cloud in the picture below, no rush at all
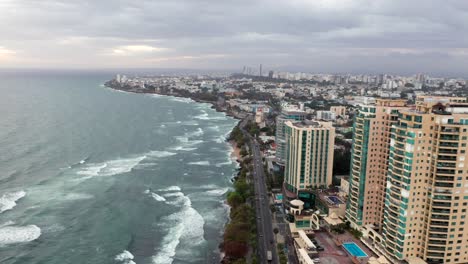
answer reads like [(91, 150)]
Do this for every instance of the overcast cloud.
[(403, 36)]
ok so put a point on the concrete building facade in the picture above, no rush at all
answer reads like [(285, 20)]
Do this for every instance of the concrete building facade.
[(280, 139), (369, 161), (425, 199), (309, 154)]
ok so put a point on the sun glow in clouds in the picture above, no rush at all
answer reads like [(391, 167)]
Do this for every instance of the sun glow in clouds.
[(135, 50), (5, 53)]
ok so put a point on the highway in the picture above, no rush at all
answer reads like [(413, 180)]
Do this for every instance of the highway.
[(265, 234)]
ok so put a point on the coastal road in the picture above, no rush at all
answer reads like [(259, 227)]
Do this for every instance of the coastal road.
[(262, 205)]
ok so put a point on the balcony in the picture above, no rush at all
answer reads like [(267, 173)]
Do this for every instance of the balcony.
[(446, 158), (438, 236), (445, 165), (438, 230), (438, 223), (432, 248), (448, 145), (441, 204), (440, 217), (444, 178), (440, 211), (437, 242), (444, 184), (449, 137)]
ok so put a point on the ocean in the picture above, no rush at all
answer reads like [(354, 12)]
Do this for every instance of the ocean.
[(92, 175)]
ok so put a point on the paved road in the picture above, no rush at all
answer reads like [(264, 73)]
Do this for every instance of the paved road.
[(262, 205)]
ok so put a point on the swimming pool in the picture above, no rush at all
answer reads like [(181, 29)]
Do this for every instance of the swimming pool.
[(334, 200), (354, 250), (279, 196)]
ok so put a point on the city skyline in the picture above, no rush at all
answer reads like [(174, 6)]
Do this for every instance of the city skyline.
[(357, 36)]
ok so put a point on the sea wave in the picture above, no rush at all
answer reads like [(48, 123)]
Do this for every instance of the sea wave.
[(185, 225), (8, 200), (170, 189), (78, 196), (200, 163), (158, 197), (217, 192), (125, 257), (161, 154), (110, 168), (11, 234)]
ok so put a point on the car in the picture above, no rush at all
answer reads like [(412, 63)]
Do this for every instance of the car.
[(317, 260), (320, 249)]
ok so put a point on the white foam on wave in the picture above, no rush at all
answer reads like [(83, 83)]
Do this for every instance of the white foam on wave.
[(158, 197), (219, 139), (217, 192), (8, 200), (174, 194), (125, 257), (185, 225), (170, 189), (213, 128), (182, 148), (11, 234), (181, 99), (110, 168), (196, 133), (200, 163), (160, 154), (78, 196), (220, 164)]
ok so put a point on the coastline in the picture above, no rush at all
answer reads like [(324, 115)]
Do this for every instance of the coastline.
[(235, 150)]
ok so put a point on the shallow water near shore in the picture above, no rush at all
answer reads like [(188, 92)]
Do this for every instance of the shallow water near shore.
[(92, 175)]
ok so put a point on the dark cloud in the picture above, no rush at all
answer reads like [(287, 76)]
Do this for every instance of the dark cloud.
[(319, 35)]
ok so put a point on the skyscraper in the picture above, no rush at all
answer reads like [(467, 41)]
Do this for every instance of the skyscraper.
[(309, 155), (293, 114), (426, 190), (369, 161)]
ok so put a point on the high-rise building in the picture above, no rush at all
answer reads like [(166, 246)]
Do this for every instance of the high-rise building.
[(426, 188), (369, 161), (309, 155), (270, 74), (280, 136)]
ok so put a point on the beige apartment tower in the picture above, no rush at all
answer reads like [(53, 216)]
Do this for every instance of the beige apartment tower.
[(369, 162), (426, 188)]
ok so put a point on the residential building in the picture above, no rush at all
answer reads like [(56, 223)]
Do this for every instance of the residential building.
[(286, 115), (369, 161), (338, 110), (325, 115), (427, 185), (309, 154), (426, 188)]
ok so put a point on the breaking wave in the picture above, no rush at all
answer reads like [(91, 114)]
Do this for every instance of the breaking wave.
[(8, 200), (185, 225), (200, 163), (125, 257), (11, 234)]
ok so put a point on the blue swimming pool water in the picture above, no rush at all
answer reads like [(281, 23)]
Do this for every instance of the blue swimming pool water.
[(335, 200), (279, 196), (354, 250)]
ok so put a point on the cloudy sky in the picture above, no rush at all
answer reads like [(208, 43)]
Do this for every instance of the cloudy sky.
[(402, 36)]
